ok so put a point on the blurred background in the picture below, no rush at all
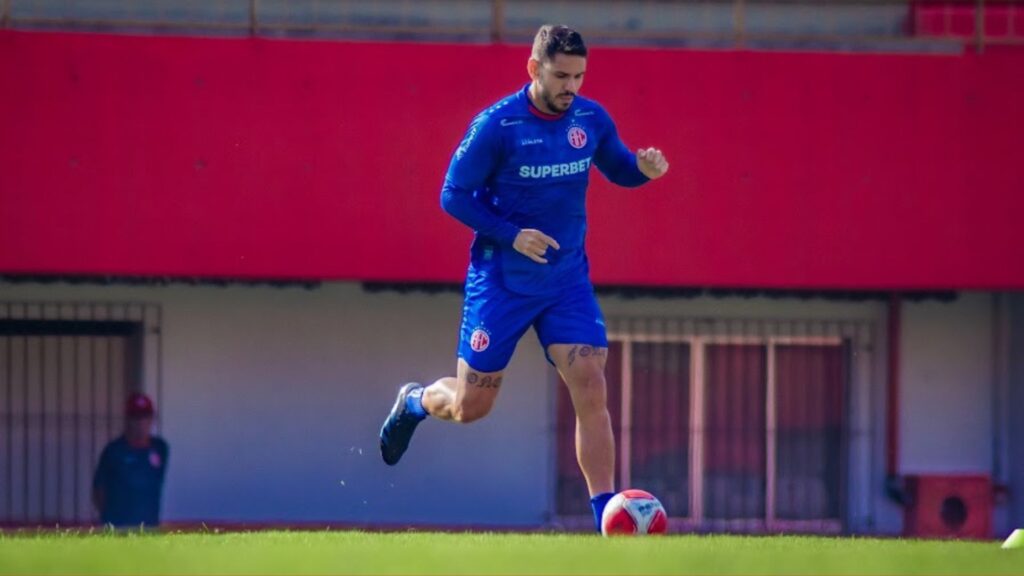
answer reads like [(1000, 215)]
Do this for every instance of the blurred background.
[(817, 316)]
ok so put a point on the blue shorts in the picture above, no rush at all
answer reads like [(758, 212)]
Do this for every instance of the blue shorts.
[(494, 319)]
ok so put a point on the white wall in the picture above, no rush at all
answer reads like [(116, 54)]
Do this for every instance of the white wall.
[(270, 394), (290, 388), (946, 386), (273, 397)]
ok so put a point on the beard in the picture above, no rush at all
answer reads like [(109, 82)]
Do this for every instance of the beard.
[(554, 105)]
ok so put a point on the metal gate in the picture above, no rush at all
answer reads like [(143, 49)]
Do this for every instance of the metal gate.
[(65, 370)]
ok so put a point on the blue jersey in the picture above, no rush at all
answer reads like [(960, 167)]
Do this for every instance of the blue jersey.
[(132, 480), (518, 168)]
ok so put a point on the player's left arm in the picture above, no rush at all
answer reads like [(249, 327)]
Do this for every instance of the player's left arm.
[(651, 162), (623, 167)]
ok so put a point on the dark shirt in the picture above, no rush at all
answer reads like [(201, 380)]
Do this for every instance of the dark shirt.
[(131, 480)]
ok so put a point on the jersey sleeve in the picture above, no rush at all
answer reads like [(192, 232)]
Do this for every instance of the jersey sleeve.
[(472, 166), (612, 157)]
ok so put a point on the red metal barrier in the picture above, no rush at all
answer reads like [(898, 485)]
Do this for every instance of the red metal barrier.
[(1001, 22)]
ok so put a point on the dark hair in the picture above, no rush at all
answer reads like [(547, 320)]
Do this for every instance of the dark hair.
[(551, 40)]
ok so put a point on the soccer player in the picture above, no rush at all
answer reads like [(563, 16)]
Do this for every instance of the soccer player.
[(519, 180)]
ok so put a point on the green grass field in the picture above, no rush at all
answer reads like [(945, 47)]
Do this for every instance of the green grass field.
[(483, 553)]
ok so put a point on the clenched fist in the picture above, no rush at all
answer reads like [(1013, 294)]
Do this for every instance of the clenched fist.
[(651, 162)]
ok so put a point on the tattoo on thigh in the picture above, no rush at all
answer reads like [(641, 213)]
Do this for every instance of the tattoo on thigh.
[(490, 382), (572, 355), (586, 351), (475, 379), (602, 352)]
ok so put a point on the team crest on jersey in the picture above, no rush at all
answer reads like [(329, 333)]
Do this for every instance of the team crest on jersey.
[(154, 459), (480, 340), (577, 137)]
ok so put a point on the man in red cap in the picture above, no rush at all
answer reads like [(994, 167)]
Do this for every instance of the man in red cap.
[(129, 479)]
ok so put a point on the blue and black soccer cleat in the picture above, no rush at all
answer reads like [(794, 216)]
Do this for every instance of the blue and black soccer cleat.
[(399, 426)]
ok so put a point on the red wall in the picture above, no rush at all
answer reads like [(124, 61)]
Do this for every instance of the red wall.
[(298, 159)]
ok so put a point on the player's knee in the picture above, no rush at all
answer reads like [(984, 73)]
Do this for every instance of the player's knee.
[(470, 411), (590, 394)]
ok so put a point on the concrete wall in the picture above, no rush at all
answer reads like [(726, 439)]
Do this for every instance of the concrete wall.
[(946, 377), (287, 389), (272, 399), (957, 406)]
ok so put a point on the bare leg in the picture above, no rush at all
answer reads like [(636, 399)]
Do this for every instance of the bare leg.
[(467, 397), (582, 368)]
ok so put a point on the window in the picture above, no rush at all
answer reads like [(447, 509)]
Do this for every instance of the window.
[(659, 423), (735, 426), (735, 386), (808, 435)]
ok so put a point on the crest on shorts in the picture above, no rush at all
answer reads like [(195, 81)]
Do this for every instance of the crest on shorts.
[(479, 340), (577, 137), (154, 459)]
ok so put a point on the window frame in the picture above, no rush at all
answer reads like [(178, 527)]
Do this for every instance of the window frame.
[(698, 384)]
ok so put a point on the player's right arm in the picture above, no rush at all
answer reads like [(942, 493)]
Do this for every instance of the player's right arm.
[(472, 166)]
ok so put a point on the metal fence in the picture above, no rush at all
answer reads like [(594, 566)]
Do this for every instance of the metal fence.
[(65, 371), (887, 24)]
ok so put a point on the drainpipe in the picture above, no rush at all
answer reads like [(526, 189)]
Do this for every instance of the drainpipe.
[(894, 487), (1000, 398)]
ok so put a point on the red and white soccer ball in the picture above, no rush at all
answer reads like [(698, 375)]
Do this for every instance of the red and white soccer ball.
[(634, 512)]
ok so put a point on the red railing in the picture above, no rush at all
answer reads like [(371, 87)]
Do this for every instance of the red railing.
[(720, 23)]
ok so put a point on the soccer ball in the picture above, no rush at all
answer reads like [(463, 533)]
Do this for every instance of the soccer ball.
[(634, 512)]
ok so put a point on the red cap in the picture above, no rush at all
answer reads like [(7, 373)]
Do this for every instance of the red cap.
[(138, 405)]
